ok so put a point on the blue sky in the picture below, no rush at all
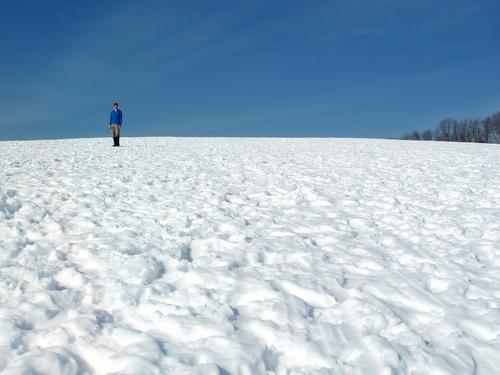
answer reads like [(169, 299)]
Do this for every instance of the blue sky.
[(359, 68)]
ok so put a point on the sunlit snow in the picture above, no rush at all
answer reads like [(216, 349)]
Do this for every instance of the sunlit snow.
[(249, 256)]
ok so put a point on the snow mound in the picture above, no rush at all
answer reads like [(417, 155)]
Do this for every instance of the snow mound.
[(249, 256)]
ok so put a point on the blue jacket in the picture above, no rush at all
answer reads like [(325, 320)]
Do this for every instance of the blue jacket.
[(115, 118)]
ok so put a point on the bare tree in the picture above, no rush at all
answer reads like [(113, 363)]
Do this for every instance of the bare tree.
[(475, 131), (445, 128), (470, 130), (487, 130), (415, 135), (459, 132), (427, 135), (463, 132), (494, 123)]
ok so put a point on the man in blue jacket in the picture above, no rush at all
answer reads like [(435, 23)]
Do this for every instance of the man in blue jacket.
[(115, 123)]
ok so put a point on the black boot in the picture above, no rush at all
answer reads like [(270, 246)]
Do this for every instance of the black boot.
[(117, 141)]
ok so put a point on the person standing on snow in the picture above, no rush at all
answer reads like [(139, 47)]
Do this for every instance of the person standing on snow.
[(115, 123)]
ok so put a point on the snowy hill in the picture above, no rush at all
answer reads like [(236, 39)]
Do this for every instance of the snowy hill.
[(249, 256)]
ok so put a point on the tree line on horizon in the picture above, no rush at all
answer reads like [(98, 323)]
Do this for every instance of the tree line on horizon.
[(485, 130)]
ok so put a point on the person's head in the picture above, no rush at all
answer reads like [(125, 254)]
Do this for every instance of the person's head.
[(115, 105)]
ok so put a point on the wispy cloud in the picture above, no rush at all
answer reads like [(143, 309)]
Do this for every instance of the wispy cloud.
[(121, 51)]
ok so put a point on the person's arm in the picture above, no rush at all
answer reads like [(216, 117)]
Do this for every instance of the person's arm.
[(110, 116), (120, 118)]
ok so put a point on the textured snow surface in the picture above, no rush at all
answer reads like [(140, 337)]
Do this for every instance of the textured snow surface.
[(249, 256)]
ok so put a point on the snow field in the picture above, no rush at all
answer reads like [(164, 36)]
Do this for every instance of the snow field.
[(249, 256)]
